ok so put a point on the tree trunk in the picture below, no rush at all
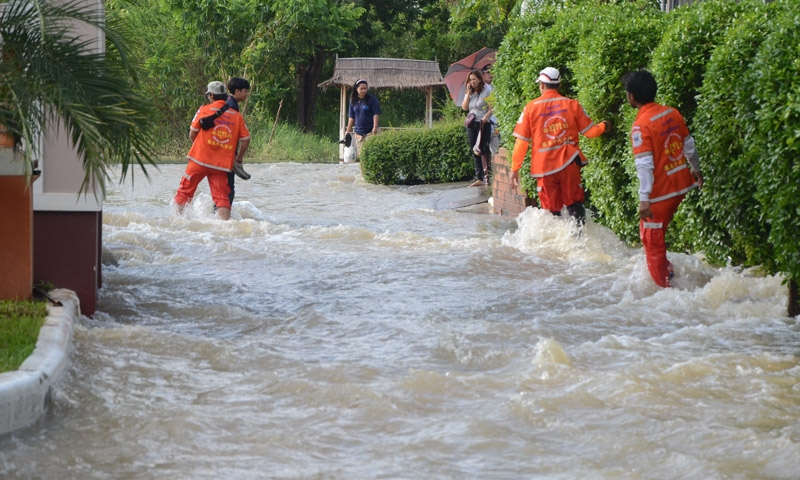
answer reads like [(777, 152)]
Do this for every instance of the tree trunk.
[(307, 92), (794, 301)]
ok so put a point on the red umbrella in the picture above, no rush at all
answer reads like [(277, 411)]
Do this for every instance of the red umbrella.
[(456, 75)]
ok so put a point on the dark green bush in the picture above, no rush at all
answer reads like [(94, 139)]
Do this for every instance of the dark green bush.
[(425, 155), (532, 43), (679, 66), (728, 223), (546, 39), (773, 144), (617, 39), (692, 33)]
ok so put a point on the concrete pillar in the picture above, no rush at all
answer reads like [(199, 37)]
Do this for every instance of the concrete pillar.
[(16, 227)]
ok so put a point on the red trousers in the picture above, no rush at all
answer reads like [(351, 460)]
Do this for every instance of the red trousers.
[(217, 182), (652, 232), (560, 189)]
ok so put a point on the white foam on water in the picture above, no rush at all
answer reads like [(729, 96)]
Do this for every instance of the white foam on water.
[(337, 329)]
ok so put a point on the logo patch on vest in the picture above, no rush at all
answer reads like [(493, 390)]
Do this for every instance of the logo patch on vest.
[(636, 138)]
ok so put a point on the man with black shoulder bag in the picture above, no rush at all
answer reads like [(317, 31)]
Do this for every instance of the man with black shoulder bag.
[(214, 150)]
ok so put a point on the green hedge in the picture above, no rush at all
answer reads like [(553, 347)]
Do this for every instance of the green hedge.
[(422, 155), (616, 40), (773, 145), (725, 224), (731, 68), (679, 64)]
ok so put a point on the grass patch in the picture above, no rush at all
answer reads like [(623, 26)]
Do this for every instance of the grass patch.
[(20, 322), (288, 144)]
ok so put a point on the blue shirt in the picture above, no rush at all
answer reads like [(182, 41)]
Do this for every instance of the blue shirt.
[(362, 112), (232, 103)]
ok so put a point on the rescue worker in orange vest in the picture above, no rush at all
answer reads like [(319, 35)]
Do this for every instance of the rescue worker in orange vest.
[(213, 150), (550, 125), (667, 166)]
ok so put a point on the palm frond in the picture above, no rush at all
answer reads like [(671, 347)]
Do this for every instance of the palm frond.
[(50, 74)]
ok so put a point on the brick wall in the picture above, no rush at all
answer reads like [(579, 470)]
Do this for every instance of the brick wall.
[(508, 201)]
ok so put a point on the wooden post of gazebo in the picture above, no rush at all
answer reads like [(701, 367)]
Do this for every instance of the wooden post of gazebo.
[(429, 107), (342, 117)]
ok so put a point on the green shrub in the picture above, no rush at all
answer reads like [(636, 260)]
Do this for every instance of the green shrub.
[(430, 155), (773, 141), (679, 61), (532, 43), (616, 39), (679, 66), (728, 224)]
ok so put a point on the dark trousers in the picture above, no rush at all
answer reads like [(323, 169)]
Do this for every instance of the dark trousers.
[(231, 178), (486, 136)]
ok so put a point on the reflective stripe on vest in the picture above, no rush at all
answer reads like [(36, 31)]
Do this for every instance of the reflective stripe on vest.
[(587, 128), (562, 167), (674, 194), (677, 169), (665, 112), (208, 165), (653, 224)]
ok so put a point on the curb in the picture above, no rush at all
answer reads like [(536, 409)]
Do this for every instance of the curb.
[(25, 394)]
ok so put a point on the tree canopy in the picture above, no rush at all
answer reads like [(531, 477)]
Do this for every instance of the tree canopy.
[(287, 47)]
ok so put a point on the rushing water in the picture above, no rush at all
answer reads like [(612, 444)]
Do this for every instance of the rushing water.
[(335, 329)]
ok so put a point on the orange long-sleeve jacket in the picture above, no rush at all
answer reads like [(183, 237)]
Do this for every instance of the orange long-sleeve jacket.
[(659, 131), (550, 125)]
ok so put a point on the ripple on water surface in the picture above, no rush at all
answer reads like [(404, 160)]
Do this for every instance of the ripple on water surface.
[(335, 329)]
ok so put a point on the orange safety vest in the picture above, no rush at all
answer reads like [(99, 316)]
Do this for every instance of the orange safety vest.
[(216, 147), (551, 124), (660, 131)]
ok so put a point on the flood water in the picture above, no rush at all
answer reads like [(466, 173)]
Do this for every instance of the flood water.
[(339, 330)]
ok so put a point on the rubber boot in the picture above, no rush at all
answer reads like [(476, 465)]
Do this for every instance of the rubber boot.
[(578, 212)]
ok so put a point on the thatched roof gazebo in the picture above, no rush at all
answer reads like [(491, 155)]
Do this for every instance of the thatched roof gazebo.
[(385, 73)]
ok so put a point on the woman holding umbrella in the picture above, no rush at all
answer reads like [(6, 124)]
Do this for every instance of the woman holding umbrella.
[(478, 124)]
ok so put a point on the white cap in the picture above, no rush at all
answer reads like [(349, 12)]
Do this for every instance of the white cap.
[(217, 88), (549, 75)]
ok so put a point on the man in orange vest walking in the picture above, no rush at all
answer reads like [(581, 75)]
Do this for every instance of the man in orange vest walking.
[(550, 126), (215, 131), (667, 166)]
